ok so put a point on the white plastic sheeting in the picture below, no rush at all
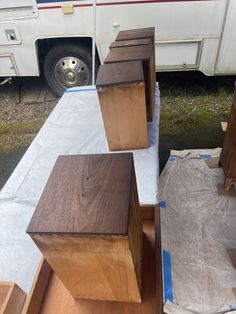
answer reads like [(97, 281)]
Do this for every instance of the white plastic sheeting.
[(74, 127), (198, 226)]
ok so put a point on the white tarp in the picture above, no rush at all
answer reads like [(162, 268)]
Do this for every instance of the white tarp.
[(198, 228), (74, 127)]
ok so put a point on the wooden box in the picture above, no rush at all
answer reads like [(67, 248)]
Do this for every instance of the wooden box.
[(228, 153), (131, 42), (49, 296), (12, 298), (121, 92), (142, 53), (87, 225)]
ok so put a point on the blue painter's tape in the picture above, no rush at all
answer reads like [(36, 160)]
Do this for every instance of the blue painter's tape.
[(205, 156), (80, 90), (162, 204), (168, 290), (172, 158)]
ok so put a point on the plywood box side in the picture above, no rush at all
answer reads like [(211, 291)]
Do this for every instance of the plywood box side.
[(136, 233), (124, 116), (14, 299), (100, 270), (58, 300), (38, 290)]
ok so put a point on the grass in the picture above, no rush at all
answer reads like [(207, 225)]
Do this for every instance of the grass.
[(192, 100), (15, 135)]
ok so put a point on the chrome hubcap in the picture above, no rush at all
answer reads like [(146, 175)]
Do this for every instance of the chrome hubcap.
[(70, 71)]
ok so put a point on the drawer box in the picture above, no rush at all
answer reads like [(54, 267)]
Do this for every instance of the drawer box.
[(121, 92), (87, 225), (139, 53)]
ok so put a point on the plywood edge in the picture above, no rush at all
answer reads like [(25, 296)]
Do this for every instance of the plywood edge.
[(224, 126), (38, 290)]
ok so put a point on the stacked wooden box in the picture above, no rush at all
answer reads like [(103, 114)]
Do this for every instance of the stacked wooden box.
[(228, 154), (87, 225), (126, 89)]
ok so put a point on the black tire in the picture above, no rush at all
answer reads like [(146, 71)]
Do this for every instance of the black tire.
[(55, 79)]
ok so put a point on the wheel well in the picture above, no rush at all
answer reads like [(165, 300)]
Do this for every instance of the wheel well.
[(44, 45)]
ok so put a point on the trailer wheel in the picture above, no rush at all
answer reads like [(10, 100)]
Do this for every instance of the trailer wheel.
[(67, 66)]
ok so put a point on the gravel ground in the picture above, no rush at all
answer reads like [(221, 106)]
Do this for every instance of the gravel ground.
[(24, 106)]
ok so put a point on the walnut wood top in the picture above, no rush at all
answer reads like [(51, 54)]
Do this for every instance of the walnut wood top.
[(120, 73), (131, 42), (129, 54), (148, 32), (86, 194)]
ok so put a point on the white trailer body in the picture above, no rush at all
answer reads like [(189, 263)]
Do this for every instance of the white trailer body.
[(190, 34)]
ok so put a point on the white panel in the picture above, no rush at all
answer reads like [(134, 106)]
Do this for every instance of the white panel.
[(17, 9), (9, 34), (181, 20), (209, 55), (177, 54), (7, 65), (227, 56)]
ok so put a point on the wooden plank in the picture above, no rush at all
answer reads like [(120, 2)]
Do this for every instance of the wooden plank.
[(58, 300), (12, 298), (123, 54), (139, 33), (86, 194), (131, 42), (122, 73), (124, 115), (39, 288)]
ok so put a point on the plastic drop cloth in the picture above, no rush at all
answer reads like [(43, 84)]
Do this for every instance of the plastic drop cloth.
[(74, 127), (198, 226)]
